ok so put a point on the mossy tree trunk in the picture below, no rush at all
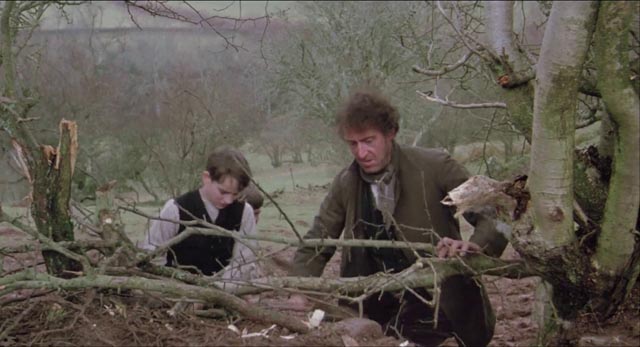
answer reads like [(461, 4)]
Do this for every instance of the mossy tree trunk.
[(510, 66), (51, 195), (570, 28), (602, 280), (48, 169), (616, 242), (553, 240)]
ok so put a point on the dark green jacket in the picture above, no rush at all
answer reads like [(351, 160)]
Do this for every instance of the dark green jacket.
[(424, 178)]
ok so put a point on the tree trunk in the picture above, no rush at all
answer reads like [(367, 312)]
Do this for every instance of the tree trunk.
[(552, 240), (563, 53), (512, 68), (275, 154), (500, 29), (616, 242), (51, 194), (297, 155)]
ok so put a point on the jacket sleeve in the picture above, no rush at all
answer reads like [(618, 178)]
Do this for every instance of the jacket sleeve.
[(486, 232), (328, 223)]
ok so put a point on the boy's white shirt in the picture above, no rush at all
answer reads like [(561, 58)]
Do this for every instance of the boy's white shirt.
[(242, 265)]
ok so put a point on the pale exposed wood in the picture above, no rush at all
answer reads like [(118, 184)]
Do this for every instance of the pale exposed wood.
[(70, 128)]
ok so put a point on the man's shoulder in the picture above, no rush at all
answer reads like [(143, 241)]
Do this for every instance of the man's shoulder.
[(346, 176), (425, 155)]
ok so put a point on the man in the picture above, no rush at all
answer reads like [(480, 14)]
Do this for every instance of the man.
[(394, 192), (216, 202)]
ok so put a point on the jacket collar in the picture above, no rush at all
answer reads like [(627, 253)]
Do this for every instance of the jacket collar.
[(394, 167)]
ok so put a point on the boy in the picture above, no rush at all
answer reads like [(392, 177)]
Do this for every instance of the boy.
[(216, 201)]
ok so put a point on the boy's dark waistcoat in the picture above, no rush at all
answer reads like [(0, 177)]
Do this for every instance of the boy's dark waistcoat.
[(207, 253)]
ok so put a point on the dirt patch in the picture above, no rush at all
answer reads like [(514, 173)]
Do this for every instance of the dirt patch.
[(623, 329), (512, 302)]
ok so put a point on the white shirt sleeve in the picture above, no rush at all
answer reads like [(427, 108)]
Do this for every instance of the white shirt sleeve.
[(162, 231), (243, 265)]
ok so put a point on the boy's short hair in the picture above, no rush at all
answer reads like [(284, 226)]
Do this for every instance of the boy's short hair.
[(367, 108), (228, 161)]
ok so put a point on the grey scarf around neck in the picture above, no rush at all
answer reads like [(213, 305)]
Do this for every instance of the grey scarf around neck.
[(383, 188)]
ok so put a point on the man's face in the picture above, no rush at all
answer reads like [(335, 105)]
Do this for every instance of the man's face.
[(370, 148), (219, 193)]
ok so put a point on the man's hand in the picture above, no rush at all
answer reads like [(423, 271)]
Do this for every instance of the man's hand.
[(448, 248)]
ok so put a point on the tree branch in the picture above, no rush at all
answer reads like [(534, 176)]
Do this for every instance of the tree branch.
[(517, 69), (416, 276), (214, 230), (445, 69), (162, 9), (145, 258), (464, 37), (444, 102)]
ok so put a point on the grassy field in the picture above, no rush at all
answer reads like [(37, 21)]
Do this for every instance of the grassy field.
[(299, 203)]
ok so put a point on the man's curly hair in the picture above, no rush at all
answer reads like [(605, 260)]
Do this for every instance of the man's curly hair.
[(367, 108)]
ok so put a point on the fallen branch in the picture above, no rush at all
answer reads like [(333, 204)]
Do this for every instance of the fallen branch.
[(31, 280), (416, 276)]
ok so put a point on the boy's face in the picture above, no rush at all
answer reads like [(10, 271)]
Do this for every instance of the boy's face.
[(220, 193), (370, 148)]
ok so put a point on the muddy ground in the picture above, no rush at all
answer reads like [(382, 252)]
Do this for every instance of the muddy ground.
[(83, 318)]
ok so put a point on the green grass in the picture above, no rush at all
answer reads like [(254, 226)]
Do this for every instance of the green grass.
[(284, 177), (300, 205), (298, 202)]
